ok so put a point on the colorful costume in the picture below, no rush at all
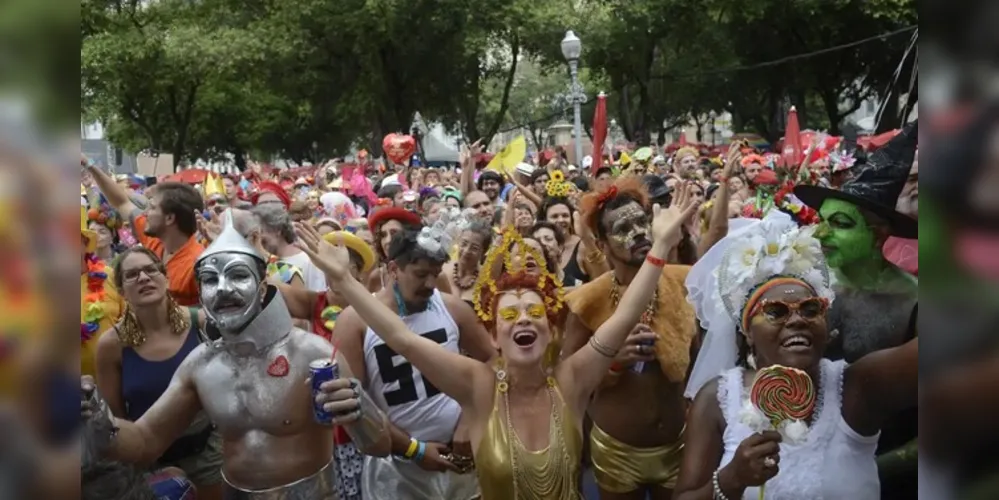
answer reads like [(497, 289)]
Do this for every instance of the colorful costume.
[(100, 304)]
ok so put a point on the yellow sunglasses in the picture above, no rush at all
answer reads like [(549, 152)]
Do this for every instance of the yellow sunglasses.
[(512, 313)]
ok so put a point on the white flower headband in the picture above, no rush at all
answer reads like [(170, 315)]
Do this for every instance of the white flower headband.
[(772, 249), (436, 239)]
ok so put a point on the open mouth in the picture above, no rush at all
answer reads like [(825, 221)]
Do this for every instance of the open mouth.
[(797, 343), (524, 338), (147, 289)]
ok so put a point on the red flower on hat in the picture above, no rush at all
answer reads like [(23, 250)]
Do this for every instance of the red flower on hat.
[(606, 196)]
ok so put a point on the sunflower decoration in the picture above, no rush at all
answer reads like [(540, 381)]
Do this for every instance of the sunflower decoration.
[(557, 185)]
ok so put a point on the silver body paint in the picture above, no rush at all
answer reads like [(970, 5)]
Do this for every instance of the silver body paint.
[(267, 418), (226, 279)]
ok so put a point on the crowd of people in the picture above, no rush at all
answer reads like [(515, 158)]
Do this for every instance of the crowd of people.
[(551, 331)]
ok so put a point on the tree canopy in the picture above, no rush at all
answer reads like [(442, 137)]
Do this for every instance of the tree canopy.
[(310, 79)]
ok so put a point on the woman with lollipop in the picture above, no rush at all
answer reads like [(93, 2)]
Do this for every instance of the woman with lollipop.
[(780, 414), (525, 412)]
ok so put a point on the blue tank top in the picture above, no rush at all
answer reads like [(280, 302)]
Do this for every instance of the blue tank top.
[(144, 381)]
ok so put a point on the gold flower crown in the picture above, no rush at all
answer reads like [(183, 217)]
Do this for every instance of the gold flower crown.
[(486, 288), (556, 185)]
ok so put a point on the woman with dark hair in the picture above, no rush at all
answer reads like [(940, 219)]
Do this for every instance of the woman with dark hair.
[(764, 301), (580, 259), (137, 358), (553, 241)]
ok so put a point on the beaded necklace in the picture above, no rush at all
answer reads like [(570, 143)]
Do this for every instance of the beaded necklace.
[(93, 312), (649, 315)]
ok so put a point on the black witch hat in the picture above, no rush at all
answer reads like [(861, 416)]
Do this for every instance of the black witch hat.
[(876, 184)]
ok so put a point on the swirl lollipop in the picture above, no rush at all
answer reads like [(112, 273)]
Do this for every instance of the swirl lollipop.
[(783, 394)]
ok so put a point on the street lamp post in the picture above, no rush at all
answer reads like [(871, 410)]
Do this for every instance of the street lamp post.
[(572, 47)]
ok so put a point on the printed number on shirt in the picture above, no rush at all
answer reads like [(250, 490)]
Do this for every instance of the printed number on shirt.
[(403, 372)]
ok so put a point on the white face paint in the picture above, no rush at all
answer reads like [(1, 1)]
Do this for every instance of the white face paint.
[(231, 290)]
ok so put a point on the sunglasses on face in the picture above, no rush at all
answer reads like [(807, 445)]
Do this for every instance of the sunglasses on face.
[(779, 311), (512, 313)]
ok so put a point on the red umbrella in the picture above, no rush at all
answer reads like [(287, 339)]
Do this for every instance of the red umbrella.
[(792, 139), (599, 132), (188, 176)]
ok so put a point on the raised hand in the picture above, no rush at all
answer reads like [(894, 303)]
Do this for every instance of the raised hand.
[(332, 258), (667, 222), (209, 229)]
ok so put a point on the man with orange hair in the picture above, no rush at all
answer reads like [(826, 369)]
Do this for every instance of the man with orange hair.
[(634, 453)]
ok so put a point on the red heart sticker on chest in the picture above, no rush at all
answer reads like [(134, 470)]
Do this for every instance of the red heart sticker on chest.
[(278, 367)]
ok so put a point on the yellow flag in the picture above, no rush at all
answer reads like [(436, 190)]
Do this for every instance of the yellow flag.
[(509, 157), (624, 159)]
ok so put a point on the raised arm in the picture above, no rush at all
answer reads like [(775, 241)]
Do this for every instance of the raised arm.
[(467, 181), (583, 371), (454, 374), (116, 195), (718, 222)]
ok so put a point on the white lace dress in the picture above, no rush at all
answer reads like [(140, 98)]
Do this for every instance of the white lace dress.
[(833, 463)]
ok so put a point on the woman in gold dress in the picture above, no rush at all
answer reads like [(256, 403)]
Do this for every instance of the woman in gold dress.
[(525, 411)]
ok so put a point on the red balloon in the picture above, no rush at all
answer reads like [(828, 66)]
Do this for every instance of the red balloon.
[(399, 148)]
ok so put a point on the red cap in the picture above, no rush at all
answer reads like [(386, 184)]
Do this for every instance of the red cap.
[(271, 187), (384, 215)]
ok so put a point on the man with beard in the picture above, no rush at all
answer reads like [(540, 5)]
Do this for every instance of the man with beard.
[(876, 301), (253, 383), (638, 416), (167, 227), (491, 183), (424, 420)]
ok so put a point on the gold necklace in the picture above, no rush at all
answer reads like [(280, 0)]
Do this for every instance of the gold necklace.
[(649, 315), (551, 479)]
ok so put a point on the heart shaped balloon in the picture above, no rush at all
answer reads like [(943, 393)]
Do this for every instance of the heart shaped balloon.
[(399, 148)]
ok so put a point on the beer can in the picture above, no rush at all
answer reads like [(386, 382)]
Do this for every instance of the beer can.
[(321, 371)]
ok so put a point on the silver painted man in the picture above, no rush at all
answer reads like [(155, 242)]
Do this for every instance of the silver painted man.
[(253, 383)]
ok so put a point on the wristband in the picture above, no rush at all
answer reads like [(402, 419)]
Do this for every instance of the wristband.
[(413, 446), (655, 261), (718, 494), (420, 452)]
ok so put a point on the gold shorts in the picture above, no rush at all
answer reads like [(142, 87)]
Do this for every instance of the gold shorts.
[(620, 468)]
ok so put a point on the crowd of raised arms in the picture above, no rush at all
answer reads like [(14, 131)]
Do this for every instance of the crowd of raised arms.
[(685, 322)]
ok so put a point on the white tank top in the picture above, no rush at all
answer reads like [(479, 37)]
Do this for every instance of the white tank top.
[(411, 402), (832, 464)]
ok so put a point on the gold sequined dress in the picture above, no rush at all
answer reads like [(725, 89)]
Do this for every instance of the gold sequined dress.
[(509, 471)]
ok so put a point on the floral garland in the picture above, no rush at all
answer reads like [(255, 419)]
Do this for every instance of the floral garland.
[(801, 213), (94, 299)]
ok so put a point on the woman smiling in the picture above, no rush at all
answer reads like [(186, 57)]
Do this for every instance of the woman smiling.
[(525, 412), (764, 304)]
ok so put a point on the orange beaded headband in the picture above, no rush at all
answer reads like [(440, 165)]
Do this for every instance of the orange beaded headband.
[(756, 294)]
